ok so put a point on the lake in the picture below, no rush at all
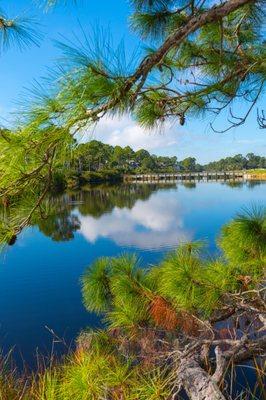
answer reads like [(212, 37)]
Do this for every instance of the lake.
[(40, 300)]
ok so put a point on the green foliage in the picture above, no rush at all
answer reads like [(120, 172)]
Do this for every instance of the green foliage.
[(45, 386), (92, 375), (185, 279), (22, 168), (19, 31), (119, 287), (102, 176), (193, 283), (181, 278), (152, 386), (244, 239), (96, 286), (96, 340), (189, 164), (129, 290), (152, 24)]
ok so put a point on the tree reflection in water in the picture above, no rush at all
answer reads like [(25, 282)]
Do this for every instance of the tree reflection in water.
[(128, 214), (61, 215)]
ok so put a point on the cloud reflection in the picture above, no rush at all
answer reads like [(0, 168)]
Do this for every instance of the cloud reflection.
[(150, 224)]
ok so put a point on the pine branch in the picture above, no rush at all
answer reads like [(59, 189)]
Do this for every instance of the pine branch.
[(19, 31), (173, 41)]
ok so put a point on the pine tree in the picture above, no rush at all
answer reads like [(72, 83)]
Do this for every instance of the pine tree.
[(165, 318), (200, 58), (18, 31), (181, 325)]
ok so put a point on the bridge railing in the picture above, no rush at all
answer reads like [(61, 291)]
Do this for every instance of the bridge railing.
[(185, 175)]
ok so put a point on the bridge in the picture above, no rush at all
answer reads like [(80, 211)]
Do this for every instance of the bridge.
[(185, 176)]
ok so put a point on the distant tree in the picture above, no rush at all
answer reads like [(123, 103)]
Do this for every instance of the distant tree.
[(147, 164), (237, 162), (141, 154), (92, 156), (166, 164), (254, 161), (119, 157), (129, 153), (189, 164)]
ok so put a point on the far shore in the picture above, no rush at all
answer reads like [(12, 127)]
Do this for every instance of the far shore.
[(259, 174)]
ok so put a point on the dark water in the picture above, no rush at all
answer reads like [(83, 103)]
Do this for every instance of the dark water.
[(40, 274)]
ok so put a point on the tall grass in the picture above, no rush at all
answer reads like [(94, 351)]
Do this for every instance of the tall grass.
[(87, 375)]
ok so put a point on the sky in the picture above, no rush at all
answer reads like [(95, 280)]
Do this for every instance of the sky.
[(19, 70)]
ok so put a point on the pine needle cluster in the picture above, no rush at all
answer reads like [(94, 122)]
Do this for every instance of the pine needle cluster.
[(18, 32), (184, 285)]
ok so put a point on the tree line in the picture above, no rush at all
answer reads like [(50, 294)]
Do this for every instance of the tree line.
[(96, 156)]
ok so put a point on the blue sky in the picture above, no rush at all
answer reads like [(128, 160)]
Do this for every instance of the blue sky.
[(19, 69)]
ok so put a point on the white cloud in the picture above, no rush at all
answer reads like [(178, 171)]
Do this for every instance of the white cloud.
[(123, 131), (196, 139)]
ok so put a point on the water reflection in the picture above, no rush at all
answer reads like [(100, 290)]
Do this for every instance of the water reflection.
[(128, 215), (40, 273), (149, 224), (239, 184), (60, 228), (190, 185)]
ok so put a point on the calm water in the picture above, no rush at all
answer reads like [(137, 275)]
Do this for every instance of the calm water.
[(40, 274)]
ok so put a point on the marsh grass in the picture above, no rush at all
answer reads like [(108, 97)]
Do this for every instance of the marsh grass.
[(94, 375)]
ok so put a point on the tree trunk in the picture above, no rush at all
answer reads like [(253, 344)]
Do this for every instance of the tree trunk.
[(197, 383)]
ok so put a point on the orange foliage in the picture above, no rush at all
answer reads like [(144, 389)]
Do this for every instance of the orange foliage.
[(163, 314), (167, 318)]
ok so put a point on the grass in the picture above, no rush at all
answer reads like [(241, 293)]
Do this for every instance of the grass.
[(256, 171), (92, 375)]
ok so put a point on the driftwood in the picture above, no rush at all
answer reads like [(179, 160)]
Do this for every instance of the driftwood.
[(198, 383), (200, 374)]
